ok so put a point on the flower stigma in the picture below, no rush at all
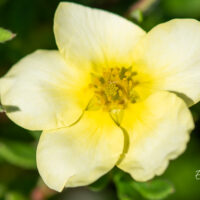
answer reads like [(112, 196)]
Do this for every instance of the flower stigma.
[(114, 88)]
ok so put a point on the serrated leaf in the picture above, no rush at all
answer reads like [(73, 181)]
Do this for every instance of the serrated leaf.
[(18, 153), (154, 190), (5, 35)]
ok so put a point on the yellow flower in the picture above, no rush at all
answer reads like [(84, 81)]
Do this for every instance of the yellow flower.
[(112, 95)]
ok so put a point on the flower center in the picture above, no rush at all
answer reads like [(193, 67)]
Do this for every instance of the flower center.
[(114, 89)]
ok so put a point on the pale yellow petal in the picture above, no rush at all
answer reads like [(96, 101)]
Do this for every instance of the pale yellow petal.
[(79, 155), (94, 38), (171, 52), (41, 92), (159, 131)]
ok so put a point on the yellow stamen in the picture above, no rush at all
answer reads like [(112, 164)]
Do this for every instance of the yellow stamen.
[(114, 89)]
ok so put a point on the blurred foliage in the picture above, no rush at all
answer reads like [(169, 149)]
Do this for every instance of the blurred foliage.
[(32, 21), (18, 153)]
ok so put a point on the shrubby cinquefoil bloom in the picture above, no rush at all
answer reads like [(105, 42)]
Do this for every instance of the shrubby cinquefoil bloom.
[(112, 95)]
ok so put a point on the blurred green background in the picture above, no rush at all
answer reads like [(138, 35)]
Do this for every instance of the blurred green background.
[(32, 21)]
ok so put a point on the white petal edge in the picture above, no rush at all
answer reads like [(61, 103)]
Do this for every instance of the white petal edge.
[(89, 37), (43, 92), (170, 52)]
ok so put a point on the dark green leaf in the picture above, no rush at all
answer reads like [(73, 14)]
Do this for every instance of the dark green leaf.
[(125, 190), (35, 134), (101, 183), (155, 189), (128, 189)]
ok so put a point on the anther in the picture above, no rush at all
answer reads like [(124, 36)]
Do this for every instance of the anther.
[(114, 89)]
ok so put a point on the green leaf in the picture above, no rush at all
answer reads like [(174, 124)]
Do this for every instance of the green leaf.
[(101, 183), (155, 189), (5, 35), (18, 153), (137, 15), (128, 189), (35, 134), (125, 190)]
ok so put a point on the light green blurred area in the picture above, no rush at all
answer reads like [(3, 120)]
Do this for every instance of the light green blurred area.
[(32, 21)]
